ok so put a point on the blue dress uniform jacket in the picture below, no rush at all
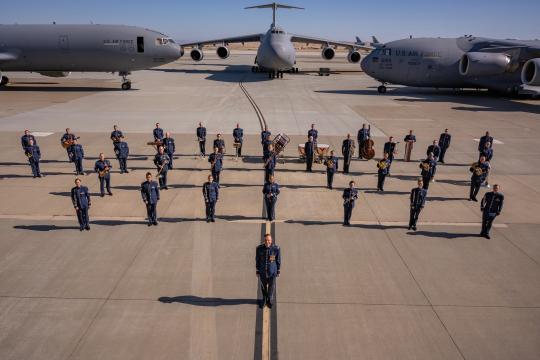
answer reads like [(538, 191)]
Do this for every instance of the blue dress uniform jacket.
[(383, 170), (122, 150), (350, 196), (492, 203), (483, 140), (271, 190), (169, 146), (309, 148), (201, 133), (428, 172), (481, 177), (67, 137), (150, 192), (219, 143), (389, 148), (409, 137), (101, 165), (76, 151), (334, 167), (238, 135), (487, 152), (210, 191), (266, 152), (444, 140), (116, 135), (268, 260), (158, 134), (218, 158), (25, 140), (33, 153), (160, 160), (264, 135), (418, 197), (435, 149), (363, 134), (80, 197), (314, 134)]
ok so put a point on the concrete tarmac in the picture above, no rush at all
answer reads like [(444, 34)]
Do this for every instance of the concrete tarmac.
[(187, 289)]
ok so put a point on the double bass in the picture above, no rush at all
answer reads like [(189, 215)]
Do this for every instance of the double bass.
[(367, 150)]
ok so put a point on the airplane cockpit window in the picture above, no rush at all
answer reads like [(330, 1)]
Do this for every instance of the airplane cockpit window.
[(164, 41), (387, 52)]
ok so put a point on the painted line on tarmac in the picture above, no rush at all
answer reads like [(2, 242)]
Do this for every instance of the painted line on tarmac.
[(495, 141), (265, 349)]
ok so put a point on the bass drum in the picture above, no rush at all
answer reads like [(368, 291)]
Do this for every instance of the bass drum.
[(367, 149)]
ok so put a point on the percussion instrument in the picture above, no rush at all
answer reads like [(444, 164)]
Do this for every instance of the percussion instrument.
[(279, 143), (321, 151), (155, 143)]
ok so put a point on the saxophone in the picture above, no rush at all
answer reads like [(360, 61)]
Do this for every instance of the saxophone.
[(425, 166), (382, 164)]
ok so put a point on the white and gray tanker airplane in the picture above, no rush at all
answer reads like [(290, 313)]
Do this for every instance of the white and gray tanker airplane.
[(56, 50), (509, 66), (276, 53)]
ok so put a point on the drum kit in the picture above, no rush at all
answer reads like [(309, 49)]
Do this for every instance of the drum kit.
[(321, 152)]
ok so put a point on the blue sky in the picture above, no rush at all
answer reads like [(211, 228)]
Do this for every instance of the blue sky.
[(337, 19)]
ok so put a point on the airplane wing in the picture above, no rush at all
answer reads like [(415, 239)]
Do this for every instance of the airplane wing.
[(7, 56), (230, 40), (312, 40)]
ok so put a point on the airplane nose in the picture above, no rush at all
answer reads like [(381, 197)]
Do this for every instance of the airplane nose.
[(364, 64), (283, 55)]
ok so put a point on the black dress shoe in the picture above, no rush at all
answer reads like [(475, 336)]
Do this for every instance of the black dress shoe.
[(149, 224), (475, 199), (87, 227), (269, 304), (261, 303), (155, 223), (409, 228), (81, 229), (102, 195), (110, 193), (127, 172), (213, 220), (207, 220), (414, 228), (487, 236)]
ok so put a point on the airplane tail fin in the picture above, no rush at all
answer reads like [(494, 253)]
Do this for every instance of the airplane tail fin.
[(359, 41), (274, 6), (375, 40)]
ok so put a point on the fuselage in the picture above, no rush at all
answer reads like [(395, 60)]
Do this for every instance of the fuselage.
[(100, 48), (276, 51)]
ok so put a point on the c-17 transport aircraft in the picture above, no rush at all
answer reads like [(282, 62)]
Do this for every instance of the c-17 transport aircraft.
[(508, 66), (56, 50), (276, 53)]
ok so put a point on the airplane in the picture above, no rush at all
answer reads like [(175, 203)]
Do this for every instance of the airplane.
[(56, 50), (276, 53), (507, 66)]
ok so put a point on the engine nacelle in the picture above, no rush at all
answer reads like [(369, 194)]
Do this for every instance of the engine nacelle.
[(196, 54), (328, 53), (181, 51), (55, 74), (530, 75), (354, 57), (223, 52), (484, 64)]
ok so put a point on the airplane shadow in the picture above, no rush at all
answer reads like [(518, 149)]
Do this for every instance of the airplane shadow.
[(205, 301), (15, 88), (232, 73)]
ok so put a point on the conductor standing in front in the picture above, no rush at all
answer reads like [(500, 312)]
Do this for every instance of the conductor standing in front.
[(268, 264)]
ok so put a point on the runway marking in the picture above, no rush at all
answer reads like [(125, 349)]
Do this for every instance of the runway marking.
[(41, 134), (266, 318), (495, 141)]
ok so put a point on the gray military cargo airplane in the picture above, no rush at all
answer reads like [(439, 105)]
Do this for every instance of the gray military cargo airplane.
[(276, 53), (56, 50), (508, 66)]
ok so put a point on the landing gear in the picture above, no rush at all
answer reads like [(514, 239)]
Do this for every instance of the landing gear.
[(381, 89), (126, 83), (275, 74)]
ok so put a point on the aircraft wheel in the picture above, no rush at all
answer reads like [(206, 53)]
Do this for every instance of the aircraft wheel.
[(126, 85), (381, 89), (4, 81), (253, 69)]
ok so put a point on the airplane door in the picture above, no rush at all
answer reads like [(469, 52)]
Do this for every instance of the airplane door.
[(63, 42)]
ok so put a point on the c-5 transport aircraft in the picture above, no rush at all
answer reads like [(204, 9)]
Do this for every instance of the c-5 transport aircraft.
[(276, 52), (509, 66), (56, 50)]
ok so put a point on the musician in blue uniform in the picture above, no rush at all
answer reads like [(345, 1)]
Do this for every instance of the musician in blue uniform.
[(350, 195), (238, 135), (158, 134), (220, 144), (161, 160), (211, 196), (309, 149), (76, 154), (270, 192), (418, 201), (150, 196), (347, 149), (409, 140), (479, 172), (170, 148), (363, 134), (265, 134), (383, 166), (116, 136), (483, 140), (33, 153), (487, 151), (491, 206), (270, 163), (331, 168), (66, 141), (201, 138), (122, 152), (80, 197), (390, 149), (25, 139), (267, 265), (444, 143), (313, 133), (103, 169), (428, 169), (267, 144), (216, 162), (434, 149)]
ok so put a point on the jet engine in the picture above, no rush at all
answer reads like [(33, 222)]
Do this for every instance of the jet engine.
[(223, 52), (354, 57), (196, 54), (328, 53), (55, 74), (530, 75), (484, 64)]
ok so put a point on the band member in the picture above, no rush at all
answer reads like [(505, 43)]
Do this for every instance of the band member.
[(122, 152), (434, 149), (444, 143), (347, 149), (267, 145), (390, 149), (309, 149), (67, 140), (150, 196), (103, 169), (418, 200), (428, 166), (331, 168), (34, 156), (265, 134), (313, 133), (383, 167), (238, 135), (409, 140), (479, 172), (485, 139), (216, 161), (116, 135), (350, 195), (491, 206), (267, 264), (161, 160), (220, 144), (487, 151), (158, 134), (25, 139), (170, 148), (270, 192), (201, 137), (270, 163), (80, 197), (76, 154), (363, 134), (211, 196)]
